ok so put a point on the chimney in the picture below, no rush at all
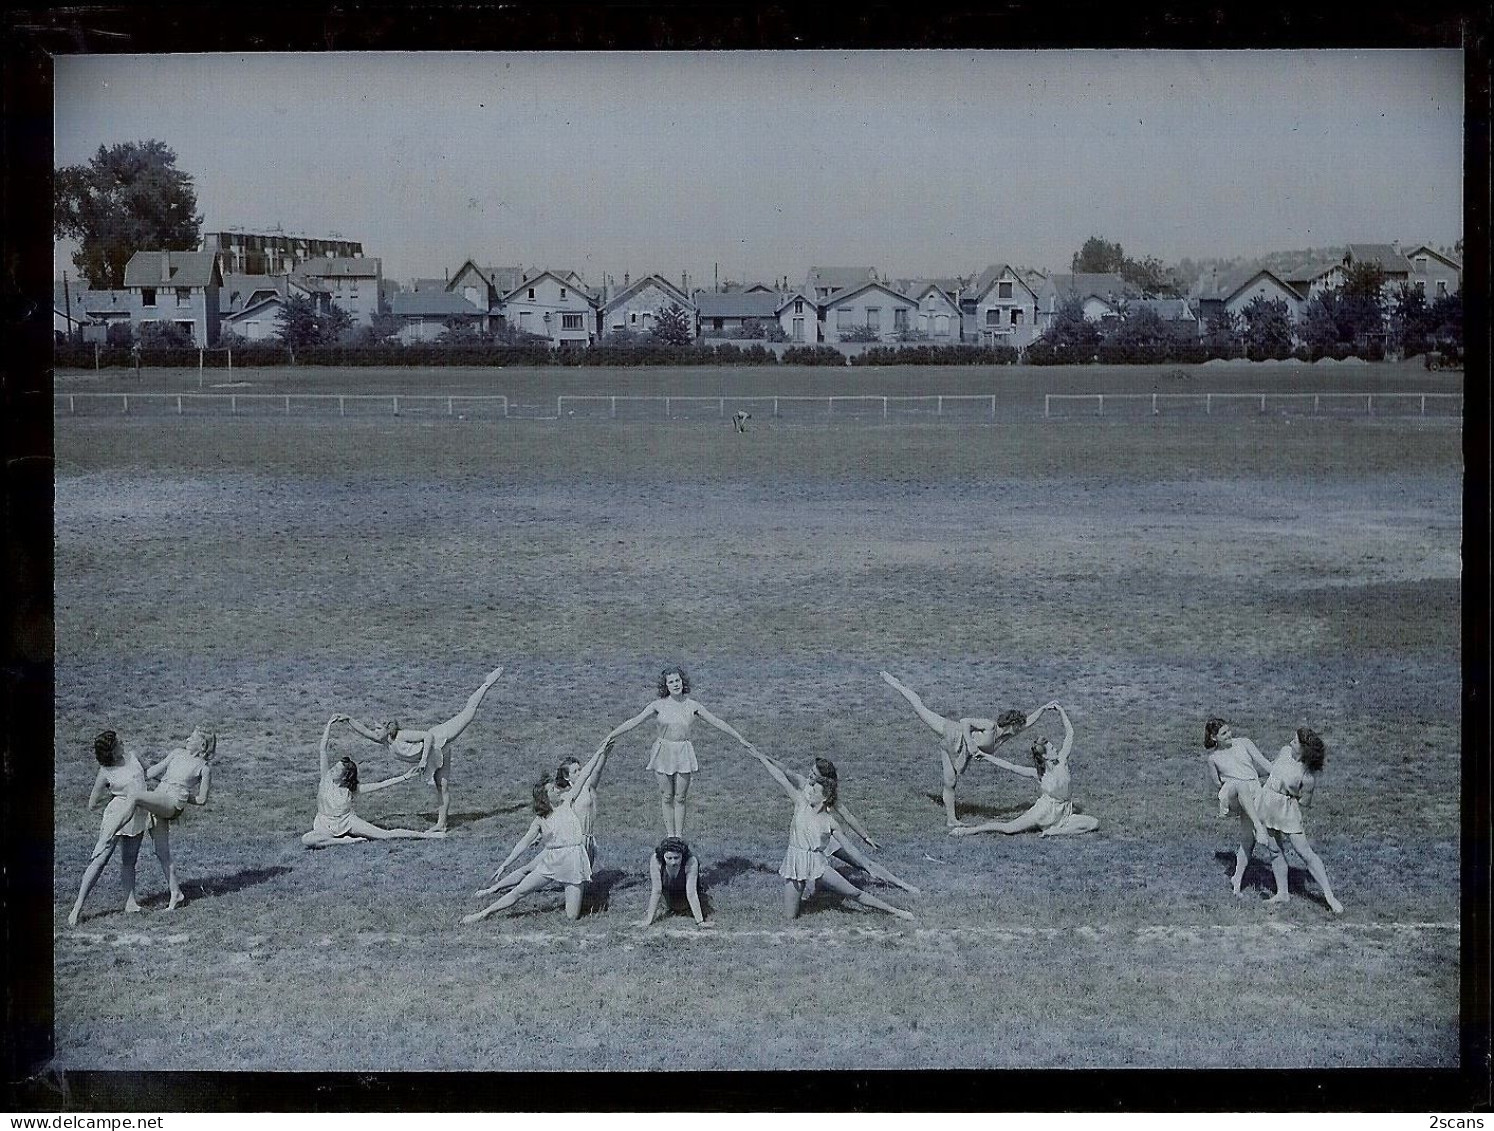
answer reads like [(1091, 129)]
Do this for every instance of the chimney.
[(626, 277), (685, 281), (165, 266)]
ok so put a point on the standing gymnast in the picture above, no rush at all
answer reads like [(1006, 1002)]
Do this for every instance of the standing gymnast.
[(672, 758), (1288, 790), (1235, 765), (431, 747)]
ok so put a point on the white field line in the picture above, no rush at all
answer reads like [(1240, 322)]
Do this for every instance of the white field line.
[(493, 933)]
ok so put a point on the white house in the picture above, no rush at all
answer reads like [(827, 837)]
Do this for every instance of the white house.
[(425, 313), (554, 306), (799, 317), (938, 305), (1434, 273), (822, 282), (1101, 295), (636, 307), (1005, 307), (873, 306), (178, 287), (352, 283), (1266, 285)]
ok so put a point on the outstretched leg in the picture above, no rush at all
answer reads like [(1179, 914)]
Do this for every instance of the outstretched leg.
[(510, 880), (164, 807), (1316, 870), (527, 885), (1026, 823), (318, 839), (359, 827), (91, 875), (935, 721), (870, 866), (445, 732), (838, 883)]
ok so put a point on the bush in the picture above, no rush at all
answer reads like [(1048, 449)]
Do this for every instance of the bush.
[(119, 334), (938, 355), (813, 355), (164, 335), (859, 334)]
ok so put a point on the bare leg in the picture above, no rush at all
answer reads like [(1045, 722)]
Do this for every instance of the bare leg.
[(1242, 852), (573, 901), (527, 885), (91, 875), (951, 818), (152, 801), (129, 853), (160, 835), (316, 839), (935, 721), (510, 880), (443, 803), (1279, 870), (445, 732), (861, 860), (666, 802), (1026, 823), (1316, 870), (838, 883), (681, 792), (359, 827), (793, 890)]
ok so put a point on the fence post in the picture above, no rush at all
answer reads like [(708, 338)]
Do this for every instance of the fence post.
[(939, 407), (1154, 404), (505, 408), (178, 404), (72, 404), (448, 406), (230, 363), (1369, 404), (396, 406), (993, 406), (1423, 404), (884, 410), (666, 408), (1315, 404), (614, 408), (127, 404), (1208, 403), (199, 370), (1263, 402), (341, 408), (775, 408), (721, 406), (95, 357), (233, 405), (1102, 404)]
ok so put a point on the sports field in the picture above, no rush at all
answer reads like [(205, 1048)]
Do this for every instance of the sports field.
[(257, 575)]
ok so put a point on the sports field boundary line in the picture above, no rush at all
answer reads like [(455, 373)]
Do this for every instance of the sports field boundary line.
[(1160, 401)]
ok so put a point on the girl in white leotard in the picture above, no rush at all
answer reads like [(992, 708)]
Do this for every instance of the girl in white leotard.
[(1053, 813), (583, 804), (672, 758), (337, 792), (1289, 789), (1235, 766)]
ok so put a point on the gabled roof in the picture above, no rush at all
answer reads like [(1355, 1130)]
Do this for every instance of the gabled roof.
[(1310, 273), (1092, 284), (342, 267), (239, 289), (188, 269), (566, 279), (670, 290), (1427, 249), (839, 278), (994, 274), (431, 304), (917, 288), (796, 296), (1386, 255), (101, 302), (850, 293), (736, 304), (1253, 276), (255, 308)]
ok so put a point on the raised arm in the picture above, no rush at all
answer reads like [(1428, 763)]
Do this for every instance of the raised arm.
[(778, 775), (160, 767), (637, 720), (364, 729), (1025, 771), (1068, 734), (327, 738), (1034, 716), (588, 774), (100, 788), (797, 780), (724, 728)]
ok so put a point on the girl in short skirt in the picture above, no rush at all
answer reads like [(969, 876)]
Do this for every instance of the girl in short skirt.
[(1053, 814), (810, 838), (1287, 791), (673, 755), (336, 821)]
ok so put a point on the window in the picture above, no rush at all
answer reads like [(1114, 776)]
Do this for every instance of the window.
[(1421, 262), (719, 323), (843, 318), (798, 306), (993, 317), (1003, 290), (183, 296), (570, 321), (1441, 288), (524, 320), (873, 317), (900, 318), (798, 329), (147, 296), (562, 292), (1421, 285), (941, 325), (190, 328), (633, 319), (1016, 316), (531, 292)]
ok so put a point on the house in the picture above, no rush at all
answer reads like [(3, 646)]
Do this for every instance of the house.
[(636, 307), (484, 287), (1001, 308), (552, 305), (1262, 284), (1101, 295), (179, 287), (1312, 279), (876, 307), (1177, 314), (96, 311), (425, 313), (727, 315), (353, 284), (251, 305), (938, 303), (274, 253), (799, 317), (822, 282), (1388, 256), (1434, 273)]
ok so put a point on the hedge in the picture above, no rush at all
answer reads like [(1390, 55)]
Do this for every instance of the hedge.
[(938, 355), (813, 355)]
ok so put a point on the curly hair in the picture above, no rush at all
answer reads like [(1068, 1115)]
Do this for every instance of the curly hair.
[(106, 747), (540, 796), (1314, 753), (1007, 720), (826, 769), (664, 675), (1211, 732), (348, 775), (672, 844), (563, 772), (830, 787), (1039, 751)]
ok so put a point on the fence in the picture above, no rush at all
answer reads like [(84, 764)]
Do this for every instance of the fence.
[(788, 408), (1221, 404), (278, 404)]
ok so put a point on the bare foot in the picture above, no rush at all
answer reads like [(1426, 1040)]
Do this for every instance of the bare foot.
[(73, 916), (131, 907), (910, 889), (959, 830), (1278, 898), (1335, 906), (475, 917), (435, 833), (901, 914), (177, 898), (493, 676)]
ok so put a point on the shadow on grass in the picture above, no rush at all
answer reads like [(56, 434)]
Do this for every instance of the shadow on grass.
[(604, 883), (978, 809), (1258, 876), (724, 871), (223, 885), (457, 820)]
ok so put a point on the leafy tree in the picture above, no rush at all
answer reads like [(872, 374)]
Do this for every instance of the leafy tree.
[(1320, 327), (119, 334), (164, 335), (1070, 330), (1445, 317), (1098, 257), (1409, 318), (1152, 277), (128, 198), (1268, 326), (1224, 329), (459, 331), (860, 334), (672, 326), (382, 327), (302, 324), (1141, 327)]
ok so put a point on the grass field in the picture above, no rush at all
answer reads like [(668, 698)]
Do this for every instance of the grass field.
[(257, 575)]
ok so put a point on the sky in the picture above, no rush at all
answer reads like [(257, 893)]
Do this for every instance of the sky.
[(759, 165)]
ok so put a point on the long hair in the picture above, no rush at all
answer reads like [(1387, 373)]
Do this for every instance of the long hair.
[(1314, 753), (825, 769), (1009, 720), (1211, 732), (106, 747), (664, 686), (349, 773), (1039, 752), (541, 798)]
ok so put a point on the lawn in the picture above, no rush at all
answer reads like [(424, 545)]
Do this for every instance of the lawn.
[(257, 575)]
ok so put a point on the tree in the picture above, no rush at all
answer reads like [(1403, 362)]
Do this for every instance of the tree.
[(1320, 327), (128, 198), (1409, 319), (164, 335), (1070, 330), (1224, 329), (1361, 313), (120, 334), (302, 324), (1141, 327), (1151, 276), (1098, 257), (1268, 327), (459, 331), (672, 326)]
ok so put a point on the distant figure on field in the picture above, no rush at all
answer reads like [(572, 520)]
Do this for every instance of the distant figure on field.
[(431, 747), (739, 420), (121, 775), (1236, 764), (672, 758), (1053, 813), (1288, 790), (810, 835), (565, 859), (674, 883), (336, 821), (962, 739)]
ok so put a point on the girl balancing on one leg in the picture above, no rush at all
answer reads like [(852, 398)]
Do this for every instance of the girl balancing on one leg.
[(962, 739), (1053, 813), (121, 774), (1287, 791), (810, 836), (565, 859), (674, 882), (431, 747), (336, 821), (1235, 765), (673, 755)]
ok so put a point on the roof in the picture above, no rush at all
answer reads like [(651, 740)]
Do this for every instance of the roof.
[(341, 267), (1092, 284), (1310, 272), (239, 288), (188, 269), (850, 293), (795, 296), (839, 278), (1251, 277), (564, 278), (1388, 256), (737, 304), (256, 308), (659, 281), (917, 288), (1434, 253), (1168, 309), (434, 303)]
